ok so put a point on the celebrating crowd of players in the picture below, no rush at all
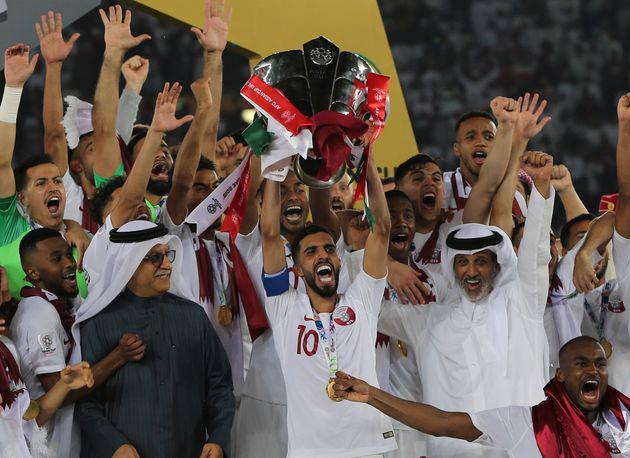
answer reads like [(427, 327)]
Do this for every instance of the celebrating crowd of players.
[(126, 332)]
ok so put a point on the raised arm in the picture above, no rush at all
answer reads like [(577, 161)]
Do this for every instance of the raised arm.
[(189, 152), (164, 120), (527, 127), (54, 52), (274, 259), (213, 39), (18, 67), (118, 39), (562, 183), (135, 71), (534, 254), (422, 417), (377, 243), (477, 208), (250, 219), (600, 232), (622, 223)]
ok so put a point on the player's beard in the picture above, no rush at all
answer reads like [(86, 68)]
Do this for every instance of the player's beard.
[(328, 291), (484, 291), (159, 188)]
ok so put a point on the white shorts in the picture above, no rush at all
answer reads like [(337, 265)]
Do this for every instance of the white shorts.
[(411, 444)]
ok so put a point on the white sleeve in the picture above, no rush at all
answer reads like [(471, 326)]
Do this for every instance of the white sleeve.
[(165, 218), (503, 428), (277, 307), (127, 113), (248, 244), (404, 322), (621, 258), (41, 341), (74, 198), (367, 291), (534, 254)]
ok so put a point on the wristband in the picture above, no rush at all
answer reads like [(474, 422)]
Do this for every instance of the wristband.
[(10, 104)]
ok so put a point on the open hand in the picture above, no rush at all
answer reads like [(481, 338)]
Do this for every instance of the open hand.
[(213, 37), (527, 125), (164, 119), (54, 48), (118, 30), (17, 65), (407, 284)]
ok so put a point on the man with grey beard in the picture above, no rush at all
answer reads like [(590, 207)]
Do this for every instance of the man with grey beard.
[(484, 346)]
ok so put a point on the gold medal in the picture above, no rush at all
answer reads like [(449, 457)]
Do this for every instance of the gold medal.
[(225, 315), (402, 346), (330, 391), (32, 411), (607, 346)]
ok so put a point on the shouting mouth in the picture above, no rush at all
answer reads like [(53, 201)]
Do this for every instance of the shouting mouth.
[(337, 205), (400, 240), (589, 392), (54, 206), (293, 213), (324, 273), (159, 172), (479, 157), (428, 201)]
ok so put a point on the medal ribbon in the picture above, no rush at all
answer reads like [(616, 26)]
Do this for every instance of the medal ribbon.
[(599, 323), (329, 342), (219, 200)]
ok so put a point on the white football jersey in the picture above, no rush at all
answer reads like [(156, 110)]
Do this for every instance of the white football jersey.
[(318, 426)]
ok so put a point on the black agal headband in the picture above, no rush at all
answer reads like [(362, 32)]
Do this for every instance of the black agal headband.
[(477, 243), (115, 236)]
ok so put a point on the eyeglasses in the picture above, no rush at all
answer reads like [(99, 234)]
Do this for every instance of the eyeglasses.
[(158, 258)]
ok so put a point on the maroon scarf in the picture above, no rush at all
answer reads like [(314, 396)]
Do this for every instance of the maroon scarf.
[(87, 222), (61, 305), (563, 431), (425, 255), (9, 374), (239, 283)]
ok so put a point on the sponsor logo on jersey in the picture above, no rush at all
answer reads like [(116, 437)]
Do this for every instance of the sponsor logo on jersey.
[(344, 316)]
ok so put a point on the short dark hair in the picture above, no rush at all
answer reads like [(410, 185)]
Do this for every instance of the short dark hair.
[(517, 230), (475, 114), (305, 232), (102, 197), (21, 179), (29, 242), (415, 162), (565, 233), (573, 341), (206, 164), (397, 193)]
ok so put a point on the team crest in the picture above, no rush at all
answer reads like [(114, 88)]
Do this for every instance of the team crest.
[(344, 316), (616, 306)]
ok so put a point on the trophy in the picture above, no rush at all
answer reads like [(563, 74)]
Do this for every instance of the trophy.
[(316, 79)]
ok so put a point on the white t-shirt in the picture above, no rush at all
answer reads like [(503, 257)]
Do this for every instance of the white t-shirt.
[(317, 426), (74, 199), (13, 428), (44, 345), (511, 429)]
